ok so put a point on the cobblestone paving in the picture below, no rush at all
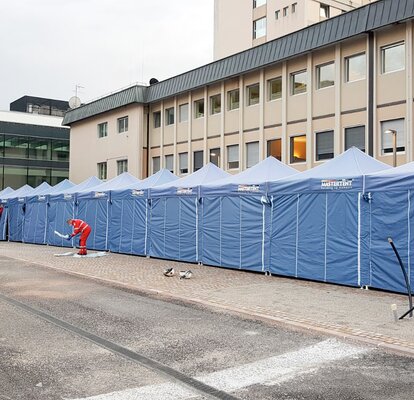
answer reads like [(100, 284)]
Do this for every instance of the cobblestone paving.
[(364, 315)]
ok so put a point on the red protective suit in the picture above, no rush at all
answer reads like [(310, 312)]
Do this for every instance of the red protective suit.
[(84, 229)]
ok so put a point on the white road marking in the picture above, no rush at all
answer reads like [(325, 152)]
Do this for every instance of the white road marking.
[(270, 371)]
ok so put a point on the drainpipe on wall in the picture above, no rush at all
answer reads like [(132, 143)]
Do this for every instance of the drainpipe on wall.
[(148, 143), (371, 58)]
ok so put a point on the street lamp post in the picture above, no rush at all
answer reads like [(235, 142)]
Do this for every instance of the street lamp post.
[(393, 132)]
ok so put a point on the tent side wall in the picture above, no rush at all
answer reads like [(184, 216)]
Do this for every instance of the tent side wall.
[(16, 211), (35, 220), (59, 211), (3, 223)]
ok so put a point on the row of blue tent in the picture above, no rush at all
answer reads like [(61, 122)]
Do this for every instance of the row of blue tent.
[(329, 223)]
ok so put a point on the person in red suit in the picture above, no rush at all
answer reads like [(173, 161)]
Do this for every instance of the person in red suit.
[(82, 228)]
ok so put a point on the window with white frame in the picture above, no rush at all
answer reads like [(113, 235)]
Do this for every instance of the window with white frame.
[(253, 94), (122, 166), (199, 108), (274, 148), (215, 156), (393, 58), (169, 162), (324, 145), (294, 7), (297, 149), (274, 88), (355, 67), (277, 14), (183, 112), (155, 164), (157, 119), (103, 130), (233, 99), (325, 75), (215, 104), (285, 11), (198, 160), (298, 82), (397, 125), (259, 28), (122, 124), (324, 11), (102, 170), (355, 137), (183, 163), (233, 156), (258, 3), (252, 154), (169, 116)]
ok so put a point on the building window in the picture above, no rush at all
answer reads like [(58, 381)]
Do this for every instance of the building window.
[(253, 94), (183, 163), (169, 162), (233, 156), (122, 166), (285, 11), (274, 88), (324, 11), (274, 148), (199, 108), (169, 116), (198, 160), (259, 28), (39, 149), (103, 130), (325, 75), (298, 82), (122, 124), (157, 119), (215, 156), (155, 164), (324, 145), (15, 146), (102, 170), (252, 154), (393, 58), (233, 99), (183, 112), (396, 125), (297, 149), (215, 104), (60, 150), (355, 137), (277, 14), (258, 3), (355, 67), (294, 6)]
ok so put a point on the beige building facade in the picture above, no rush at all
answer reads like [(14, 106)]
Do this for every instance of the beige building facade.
[(303, 108)]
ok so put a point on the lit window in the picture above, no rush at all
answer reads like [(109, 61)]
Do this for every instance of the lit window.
[(298, 82), (277, 14), (233, 99), (393, 58), (233, 156), (157, 119), (285, 11), (324, 145), (355, 137), (215, 156), (198, 160), (294, 6), (102, 170), (122, 124), (387, 138), (252, 154), (258, 3), (199, 108), (253, 94), (259, 28), (215, 104), (169, 116), (297, 149), (324, 11), (169, 162), (155, 164), (274, 148), (122, 166), (183, 163), (274, 88), (355, 67), (103, 130), (183, 110), (325, 75)]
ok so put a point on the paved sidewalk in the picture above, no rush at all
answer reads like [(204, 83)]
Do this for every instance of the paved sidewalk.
[(364, 315)]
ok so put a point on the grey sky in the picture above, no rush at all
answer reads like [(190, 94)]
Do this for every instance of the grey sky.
[(49, 46)]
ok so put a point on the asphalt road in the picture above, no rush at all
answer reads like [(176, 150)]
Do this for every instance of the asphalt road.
[(63, 337)]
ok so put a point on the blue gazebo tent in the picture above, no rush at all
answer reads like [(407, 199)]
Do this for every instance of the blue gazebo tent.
[(316, 231), (130, 211), (3, 218), (235, 213), (175, 218)]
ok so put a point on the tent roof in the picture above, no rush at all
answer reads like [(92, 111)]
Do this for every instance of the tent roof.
[(61, 186), (83, 186), (398, 178), (119, 182), (162, 177), (43, 188), (25, 190), (6, 191)]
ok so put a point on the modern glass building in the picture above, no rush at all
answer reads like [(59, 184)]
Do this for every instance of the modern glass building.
[(33, 149)]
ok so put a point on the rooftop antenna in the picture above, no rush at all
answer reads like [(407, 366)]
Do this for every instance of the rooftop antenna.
[(74, 101)]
